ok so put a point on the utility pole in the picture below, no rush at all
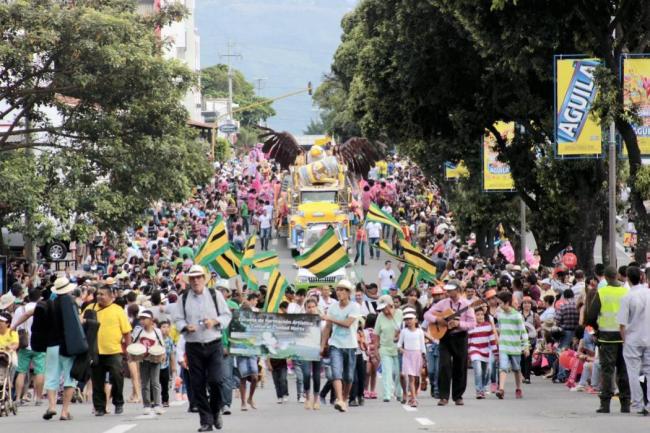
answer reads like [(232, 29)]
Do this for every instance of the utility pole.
[(612, 194), (522, 228), (259, 85), (230, 56)]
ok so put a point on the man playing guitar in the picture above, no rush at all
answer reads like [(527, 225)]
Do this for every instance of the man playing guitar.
[(454, 314)]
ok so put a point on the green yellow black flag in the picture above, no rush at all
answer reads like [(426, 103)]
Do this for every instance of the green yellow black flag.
[(265, 261), (376, 214), (325, 257), (226, 264), (275, 292), (249, 251), (215, 244), (408, 278), (416, 258), (388, 250)]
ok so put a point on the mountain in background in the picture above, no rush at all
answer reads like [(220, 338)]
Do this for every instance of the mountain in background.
[(288, 42)]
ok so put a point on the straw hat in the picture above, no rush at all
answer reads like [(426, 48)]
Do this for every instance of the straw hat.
[(62, 286)]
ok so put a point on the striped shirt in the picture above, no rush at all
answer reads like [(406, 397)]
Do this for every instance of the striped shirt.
[(481, 341), (513, 337)]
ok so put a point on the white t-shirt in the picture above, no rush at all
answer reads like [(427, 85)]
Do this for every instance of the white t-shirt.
[(374, 229), (386, 278), (27, 325), (342, 337), (294, 308), (412, 340), (265, 221)]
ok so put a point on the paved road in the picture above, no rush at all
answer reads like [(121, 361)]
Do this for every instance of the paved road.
[(546, 408)]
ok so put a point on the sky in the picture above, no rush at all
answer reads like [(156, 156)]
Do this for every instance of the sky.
[(286, 42)]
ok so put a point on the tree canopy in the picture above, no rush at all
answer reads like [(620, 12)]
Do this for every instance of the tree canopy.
[(96, 131), (434, 76)]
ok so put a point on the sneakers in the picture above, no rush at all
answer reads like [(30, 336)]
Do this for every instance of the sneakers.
[(285, 399), (493, 388), (147, 411), (577, 388), (158, 410), (480, 395), (280, 400), (301, 399), (226, 410), (518, 393), (340, 406)]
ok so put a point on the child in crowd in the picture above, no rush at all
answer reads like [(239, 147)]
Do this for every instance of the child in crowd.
[(148, 335), (513, 341), (411, 345), (481, 342), (311, 369), (168, 366), (373, 356)]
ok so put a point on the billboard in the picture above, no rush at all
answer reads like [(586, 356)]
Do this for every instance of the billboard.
[(636, 95), (577, 133), (496, 174), (455, 171)]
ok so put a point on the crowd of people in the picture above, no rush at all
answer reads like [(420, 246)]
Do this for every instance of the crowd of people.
[(69, 333)]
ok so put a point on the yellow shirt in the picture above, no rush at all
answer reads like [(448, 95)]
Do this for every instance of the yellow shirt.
[(9, 338), (113, 324)]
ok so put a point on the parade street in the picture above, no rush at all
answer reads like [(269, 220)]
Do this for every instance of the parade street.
[(545, 408)]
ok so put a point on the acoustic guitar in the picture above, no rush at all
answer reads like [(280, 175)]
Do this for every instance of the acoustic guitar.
[(438, 330)]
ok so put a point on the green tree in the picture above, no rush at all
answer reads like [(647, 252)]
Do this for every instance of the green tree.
[(315, 127), (214, 83), (97, 132), (400, 72)]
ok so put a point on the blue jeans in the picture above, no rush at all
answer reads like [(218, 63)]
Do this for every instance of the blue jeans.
[(374, 247), (567, 337), (361, 252), (265, 236), (343, 361), (481, 375), (298, 370), (433, 362), (311, 371), (229, 381)]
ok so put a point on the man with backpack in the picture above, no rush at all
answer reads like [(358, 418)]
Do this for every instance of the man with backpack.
[(201, 316)]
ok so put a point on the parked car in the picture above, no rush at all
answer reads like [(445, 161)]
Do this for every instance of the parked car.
[(55, 250)]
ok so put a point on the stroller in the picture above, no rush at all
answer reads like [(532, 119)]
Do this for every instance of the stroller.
[(7, 403)]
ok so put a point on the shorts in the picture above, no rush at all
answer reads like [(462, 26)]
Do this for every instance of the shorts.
[(57, 367), (27, 357), (247, 366), (343, 361), (509, 362)]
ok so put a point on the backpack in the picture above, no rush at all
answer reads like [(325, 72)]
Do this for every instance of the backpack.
[(213, 295), (40, 326)]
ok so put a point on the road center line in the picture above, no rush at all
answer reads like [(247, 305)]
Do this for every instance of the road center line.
[(121, 428), (424, 421)]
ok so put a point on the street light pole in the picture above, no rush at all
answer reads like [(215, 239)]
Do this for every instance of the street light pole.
[(612, 194), (522, 229)]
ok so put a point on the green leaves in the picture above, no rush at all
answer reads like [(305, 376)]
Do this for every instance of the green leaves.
[(105, 109)]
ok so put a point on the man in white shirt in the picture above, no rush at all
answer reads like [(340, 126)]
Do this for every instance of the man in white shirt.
[(265, 229), (297, 306), (634, 320), (374, 234), (386, 278)]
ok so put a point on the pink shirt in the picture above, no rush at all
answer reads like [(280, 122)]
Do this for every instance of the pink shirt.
[(467, 318)]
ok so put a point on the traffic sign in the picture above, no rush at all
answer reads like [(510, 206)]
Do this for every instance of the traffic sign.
[(228, 128)]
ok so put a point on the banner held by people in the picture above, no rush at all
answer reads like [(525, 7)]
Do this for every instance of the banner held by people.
[(275, 291), (295, 336), (326, 256)]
